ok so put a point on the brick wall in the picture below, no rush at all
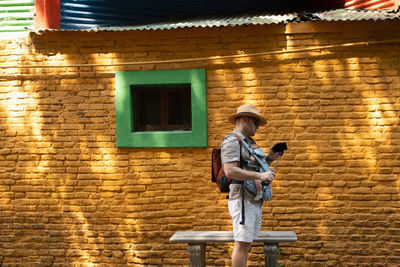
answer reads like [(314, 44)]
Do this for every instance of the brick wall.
[(69, 197)]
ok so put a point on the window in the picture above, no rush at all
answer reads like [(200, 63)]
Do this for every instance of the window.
[(162, 108)]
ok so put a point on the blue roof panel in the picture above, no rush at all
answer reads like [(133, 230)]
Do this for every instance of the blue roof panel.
[(104, 13)]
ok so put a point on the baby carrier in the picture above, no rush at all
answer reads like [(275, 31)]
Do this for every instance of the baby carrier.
[(262, 166)]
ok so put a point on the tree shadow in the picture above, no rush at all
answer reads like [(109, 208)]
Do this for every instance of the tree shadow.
[(70, 196)]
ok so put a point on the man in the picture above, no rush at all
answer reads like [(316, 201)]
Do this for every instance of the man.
[(247, 121)]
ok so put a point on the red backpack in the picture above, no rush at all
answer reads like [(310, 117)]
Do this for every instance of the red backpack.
[(218, 175)]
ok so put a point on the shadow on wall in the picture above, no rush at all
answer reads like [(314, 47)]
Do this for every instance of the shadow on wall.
[(68, 194), (73, 192), (336, 109), (340, 181)]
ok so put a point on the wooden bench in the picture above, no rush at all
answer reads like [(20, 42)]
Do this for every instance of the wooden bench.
[(197, 241)]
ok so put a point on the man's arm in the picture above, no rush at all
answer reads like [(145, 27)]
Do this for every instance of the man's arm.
[(234, 172)]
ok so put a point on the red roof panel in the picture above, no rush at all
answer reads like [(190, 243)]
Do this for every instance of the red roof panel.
[(369, 4)]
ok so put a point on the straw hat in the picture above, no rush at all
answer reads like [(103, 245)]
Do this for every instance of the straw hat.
[(247, 111)]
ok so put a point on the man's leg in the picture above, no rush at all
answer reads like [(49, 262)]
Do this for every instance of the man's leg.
[(239, 254)]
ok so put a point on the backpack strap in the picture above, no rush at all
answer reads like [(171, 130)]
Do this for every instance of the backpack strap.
[(240, 150)]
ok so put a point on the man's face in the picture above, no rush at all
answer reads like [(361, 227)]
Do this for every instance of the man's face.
[(252, 125)]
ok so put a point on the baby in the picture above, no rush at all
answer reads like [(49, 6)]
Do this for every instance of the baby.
[(262, 190)]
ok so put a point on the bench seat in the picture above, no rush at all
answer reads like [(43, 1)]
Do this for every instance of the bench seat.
[(197, 241)]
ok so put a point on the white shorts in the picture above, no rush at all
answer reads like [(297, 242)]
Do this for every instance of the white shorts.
[(253, 215)]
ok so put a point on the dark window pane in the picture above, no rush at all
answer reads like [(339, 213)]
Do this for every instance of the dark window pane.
[(179, 109), (150, 109), (162, 109)]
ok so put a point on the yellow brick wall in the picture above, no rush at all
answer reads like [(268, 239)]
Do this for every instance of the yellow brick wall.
[(69, 197)]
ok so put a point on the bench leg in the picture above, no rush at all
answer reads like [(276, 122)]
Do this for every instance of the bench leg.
[(271, 254), (197, 253)]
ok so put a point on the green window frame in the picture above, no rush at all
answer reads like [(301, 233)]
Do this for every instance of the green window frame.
[(124, 101)]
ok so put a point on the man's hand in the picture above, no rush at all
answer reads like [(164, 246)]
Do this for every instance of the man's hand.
[(266, 176), (271, 154)]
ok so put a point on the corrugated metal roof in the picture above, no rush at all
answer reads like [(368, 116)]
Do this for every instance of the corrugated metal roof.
[(333, 15), (16, 16), (357, 14), (82, 14)]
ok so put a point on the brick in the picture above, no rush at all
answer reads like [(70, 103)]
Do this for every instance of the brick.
[(64, 183)]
